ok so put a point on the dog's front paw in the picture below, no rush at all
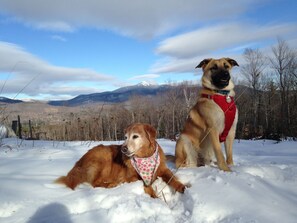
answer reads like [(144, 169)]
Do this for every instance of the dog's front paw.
[(150, 191), (181, 188), (223, 166), (226, 168), (230, 162)]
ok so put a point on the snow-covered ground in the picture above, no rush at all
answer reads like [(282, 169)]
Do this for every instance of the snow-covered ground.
[(262, 187)]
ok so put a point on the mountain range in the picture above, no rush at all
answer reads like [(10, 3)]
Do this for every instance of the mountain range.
[(9, 101), (119, 95)]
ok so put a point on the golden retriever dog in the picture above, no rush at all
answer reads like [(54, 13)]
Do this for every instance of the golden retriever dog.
[(211, 120), (139, 158)]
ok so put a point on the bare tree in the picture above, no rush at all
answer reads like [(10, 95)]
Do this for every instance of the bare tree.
[(283, 62), (190, 94), (171, 99), (253, 71)]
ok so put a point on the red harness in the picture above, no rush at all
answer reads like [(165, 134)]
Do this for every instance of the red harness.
[(228, 106)]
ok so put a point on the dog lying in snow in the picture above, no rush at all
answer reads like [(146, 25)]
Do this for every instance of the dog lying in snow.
[(139, 158)]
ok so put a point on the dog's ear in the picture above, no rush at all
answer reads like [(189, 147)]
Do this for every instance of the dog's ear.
[(232, 62), (127, 128), (151, 132), (203, 63)]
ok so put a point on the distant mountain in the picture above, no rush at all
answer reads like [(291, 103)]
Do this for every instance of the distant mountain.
[(116, 96), (9, 101)]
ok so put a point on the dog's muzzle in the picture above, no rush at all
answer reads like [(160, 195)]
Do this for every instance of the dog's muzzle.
[(126, 151), (221, 78)]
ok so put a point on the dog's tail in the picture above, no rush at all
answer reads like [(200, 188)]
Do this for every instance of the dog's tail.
[(63, 180), (68, 181)]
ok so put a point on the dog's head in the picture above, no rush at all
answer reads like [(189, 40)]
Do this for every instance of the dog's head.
[(216, 73), (140, 140)]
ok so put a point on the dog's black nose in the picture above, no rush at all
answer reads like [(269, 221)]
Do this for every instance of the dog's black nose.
[(124, 149), (223, 74)]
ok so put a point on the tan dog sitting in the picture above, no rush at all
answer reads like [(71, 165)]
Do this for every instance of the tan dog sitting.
[(212, 119), (139, 158)]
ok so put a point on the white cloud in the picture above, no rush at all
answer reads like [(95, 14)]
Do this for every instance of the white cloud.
[(145, 76), (54, 26), (59, 38), (183, 52), (174, 65), (23, 68), (215, 38), (137, 18)]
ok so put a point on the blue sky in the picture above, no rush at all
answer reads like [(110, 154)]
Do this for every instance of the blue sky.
[(59, 49)]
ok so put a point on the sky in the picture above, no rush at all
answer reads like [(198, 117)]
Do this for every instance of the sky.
[(59, 49)]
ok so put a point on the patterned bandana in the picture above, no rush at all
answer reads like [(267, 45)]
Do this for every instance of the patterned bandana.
[(147, 167)]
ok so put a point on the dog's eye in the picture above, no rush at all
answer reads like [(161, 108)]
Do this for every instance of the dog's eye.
[(215, 67), (135, 137), (126, 137), (226, 66)]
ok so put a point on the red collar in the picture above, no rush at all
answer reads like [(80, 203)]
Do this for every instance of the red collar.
[(227, 104)]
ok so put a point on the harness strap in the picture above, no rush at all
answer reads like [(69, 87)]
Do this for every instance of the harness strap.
[(227, 104)]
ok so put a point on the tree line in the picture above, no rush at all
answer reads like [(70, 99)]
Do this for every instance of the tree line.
[(270, 110), (266, 98)]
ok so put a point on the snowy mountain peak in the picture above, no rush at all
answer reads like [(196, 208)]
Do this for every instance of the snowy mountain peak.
[(144, 83)]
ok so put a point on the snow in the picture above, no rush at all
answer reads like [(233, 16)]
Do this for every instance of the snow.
[(3, 131), (144, 84), (262, 187)]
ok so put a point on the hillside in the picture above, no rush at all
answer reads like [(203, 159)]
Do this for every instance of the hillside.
[(5, 100)]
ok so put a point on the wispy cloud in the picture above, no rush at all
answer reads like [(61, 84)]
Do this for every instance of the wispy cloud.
[(22, 67), (59, 38), (181, 53), (174, 65), (215, 38), (53, 26), (145, 76)]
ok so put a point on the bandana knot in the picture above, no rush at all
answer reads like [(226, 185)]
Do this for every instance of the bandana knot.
[(147, 167)]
